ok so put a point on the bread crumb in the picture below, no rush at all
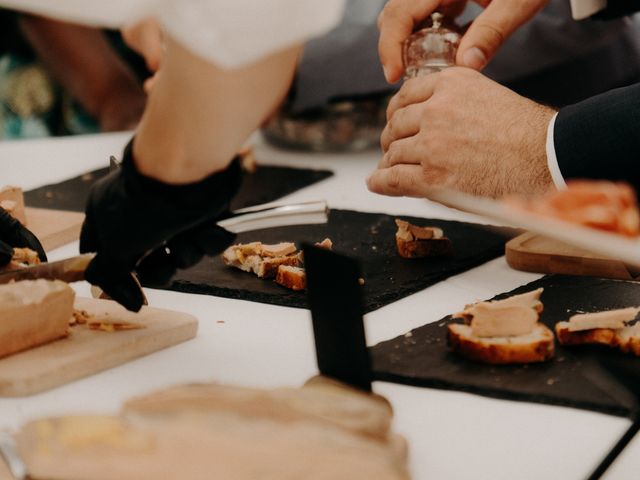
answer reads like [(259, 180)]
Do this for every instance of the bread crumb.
[(79, 317), (114, 326)]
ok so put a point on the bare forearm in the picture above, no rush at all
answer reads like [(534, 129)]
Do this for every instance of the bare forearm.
[(81, 60), (198, 115)]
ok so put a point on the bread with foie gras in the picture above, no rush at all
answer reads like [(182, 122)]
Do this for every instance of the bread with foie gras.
[(324, 430), (261, 259), (613, 328), (418, 242), (33, 312), (504, 331)]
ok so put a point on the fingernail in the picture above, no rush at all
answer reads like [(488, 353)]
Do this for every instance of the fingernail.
[(386, 73), (474, 58)]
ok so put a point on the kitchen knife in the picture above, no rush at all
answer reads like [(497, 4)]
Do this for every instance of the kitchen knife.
[(9, 452), (335, 299), (598, 241), (255, 218)]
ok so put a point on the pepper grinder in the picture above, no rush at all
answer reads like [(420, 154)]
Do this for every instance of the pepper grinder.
[(430, 49)]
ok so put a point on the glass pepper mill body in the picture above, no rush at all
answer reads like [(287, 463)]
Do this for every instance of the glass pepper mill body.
[(430, 49)]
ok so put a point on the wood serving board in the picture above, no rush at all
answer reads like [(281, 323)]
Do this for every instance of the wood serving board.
[(86, 351), (54, 228), (535, 253)]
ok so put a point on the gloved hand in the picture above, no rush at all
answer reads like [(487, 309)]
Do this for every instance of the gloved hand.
[(14, 234), (136, 223)]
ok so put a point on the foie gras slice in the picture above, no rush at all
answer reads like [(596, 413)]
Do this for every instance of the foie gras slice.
[(278, 250), (513, 316), (33, 312), (614, 319)]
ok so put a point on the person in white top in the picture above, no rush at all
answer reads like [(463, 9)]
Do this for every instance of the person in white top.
[(226, 66), (459, 129)]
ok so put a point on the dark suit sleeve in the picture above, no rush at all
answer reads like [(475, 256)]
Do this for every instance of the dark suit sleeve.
[(617, 9), (599, 138)]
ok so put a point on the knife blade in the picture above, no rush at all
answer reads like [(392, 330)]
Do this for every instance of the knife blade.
[(9, 452), (68, 270), (255, 218), (597, 241), (335, 299)]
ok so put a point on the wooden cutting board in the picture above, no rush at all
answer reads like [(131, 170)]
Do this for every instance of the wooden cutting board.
[(86, 351), (54, 228), (534, 253)]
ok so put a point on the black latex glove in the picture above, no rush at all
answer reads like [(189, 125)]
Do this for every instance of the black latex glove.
[(14, 234), (136, 223)]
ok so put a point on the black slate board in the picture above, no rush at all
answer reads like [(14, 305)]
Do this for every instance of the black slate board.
[(368, 237), (265, 185), (573, 378)]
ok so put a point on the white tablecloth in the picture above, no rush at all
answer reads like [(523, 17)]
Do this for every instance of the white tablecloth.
[(451, 435)]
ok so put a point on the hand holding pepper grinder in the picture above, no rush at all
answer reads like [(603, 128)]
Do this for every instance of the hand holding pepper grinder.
[(430, 49)]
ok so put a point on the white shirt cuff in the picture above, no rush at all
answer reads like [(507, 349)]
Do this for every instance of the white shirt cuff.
[(552, 160), (582, 9)]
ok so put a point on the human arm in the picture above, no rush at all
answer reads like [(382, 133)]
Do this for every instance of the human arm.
[(82, 61), (599, 138)]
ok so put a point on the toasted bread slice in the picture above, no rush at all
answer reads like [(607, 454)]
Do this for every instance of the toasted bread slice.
[(290, 277), (626, 339), (261, 259), (537, 346), (603, 336), (417, 242)]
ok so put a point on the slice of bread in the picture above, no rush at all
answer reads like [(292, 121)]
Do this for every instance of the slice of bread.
[(537, 346), (626, 339), (290, 277), (261, 259), (418, 242)]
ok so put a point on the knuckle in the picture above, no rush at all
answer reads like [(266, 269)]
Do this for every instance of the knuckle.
[(492, 33)]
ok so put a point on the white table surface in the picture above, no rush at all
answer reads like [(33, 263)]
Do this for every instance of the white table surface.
[(451, 435)]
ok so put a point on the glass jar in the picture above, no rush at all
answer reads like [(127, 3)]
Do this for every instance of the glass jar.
[(430, 49)]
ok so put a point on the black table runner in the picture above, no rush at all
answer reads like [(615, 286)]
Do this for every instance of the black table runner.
[(370, 238), (573, 378), (266, 184)]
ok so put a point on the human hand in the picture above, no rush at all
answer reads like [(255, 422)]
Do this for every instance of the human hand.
[(15, 235), (136, 223), (478, 45), (459, 129)]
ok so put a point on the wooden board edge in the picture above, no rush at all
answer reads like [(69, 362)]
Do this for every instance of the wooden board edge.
[(520, 259), (39, 384)]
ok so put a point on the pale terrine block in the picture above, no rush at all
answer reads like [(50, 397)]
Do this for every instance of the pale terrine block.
[(33, 312)]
